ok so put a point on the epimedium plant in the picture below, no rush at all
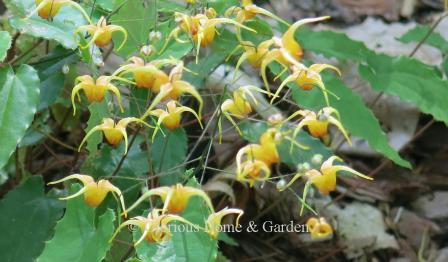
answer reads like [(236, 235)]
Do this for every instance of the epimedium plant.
[(171, 49)]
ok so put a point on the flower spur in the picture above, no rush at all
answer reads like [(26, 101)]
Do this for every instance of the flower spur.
[(239, 106), (288, 50), (174, 88), (248, 10), (319, 228), (101, 33), (201, 28), (213, 222), (252, 53), (175, 198), (95, 90), (171, 117), (50, 8), (318, 123), (307, 78), (114, 133), (94, 192), (147, 75), (253, 170), (155, 227), (266, 151), (324, 179)]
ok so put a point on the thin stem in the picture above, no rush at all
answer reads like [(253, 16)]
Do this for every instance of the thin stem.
[(13, 61), (120, 164)]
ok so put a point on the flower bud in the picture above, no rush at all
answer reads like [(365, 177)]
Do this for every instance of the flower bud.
[(281, 184), (65, 69), (146, 50), (155, 36), (210, 13), (276, 119), (303, 167), (278, 137), (317, 159)]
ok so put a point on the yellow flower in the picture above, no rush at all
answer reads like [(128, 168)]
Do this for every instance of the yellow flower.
[(94, 192), (114, 133), (318, 123), (253, 54), (288, 40), (147, 75), (254, 160), (252, 171), (171, 117), (307, 78), (248, 10), (175, 198), (288, 51), (325, 179), (101, 33), (239, 106), (154, 227), (213, 223), (95, 90), (174, 89), (201, 28), (319, 228), (266, 151), (50, 8)]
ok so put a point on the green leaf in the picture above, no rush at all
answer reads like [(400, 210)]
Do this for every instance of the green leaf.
[(19, 96), (51, 75), (263, 28), (168, 6), (27, 221), (356, 117), (77, 236), (418, 33), (106, 4), (175, 50), (120, 249), (107, 159), (138, 18), (410, 80), (184, 246), (60, 29), (5, 44), (220, 50), (168, 154), (253, 131), (332, 44), (445, 66), (222, 5)]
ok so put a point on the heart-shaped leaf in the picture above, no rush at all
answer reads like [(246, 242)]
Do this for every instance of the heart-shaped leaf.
[(19, 97), (60, 29)]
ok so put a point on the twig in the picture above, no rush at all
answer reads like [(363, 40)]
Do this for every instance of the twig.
[(54, 139), (31, 49), (120, 164)]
